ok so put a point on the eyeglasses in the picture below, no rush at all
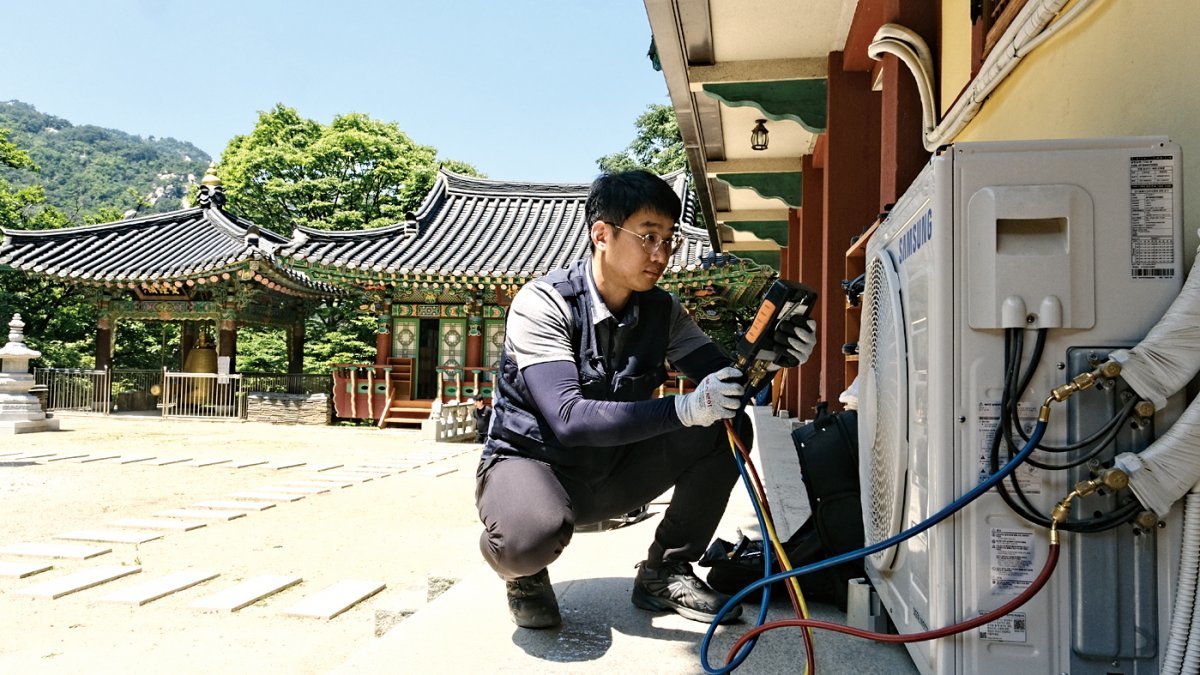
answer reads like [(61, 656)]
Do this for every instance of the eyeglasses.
[(652, 242)]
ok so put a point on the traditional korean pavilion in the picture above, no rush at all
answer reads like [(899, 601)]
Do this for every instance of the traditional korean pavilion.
[(201, 266), (438, 283)]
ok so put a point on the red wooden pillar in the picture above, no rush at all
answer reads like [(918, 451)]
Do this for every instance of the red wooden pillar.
[(187, 340), (383, 336), (809, 227), (851, 171)]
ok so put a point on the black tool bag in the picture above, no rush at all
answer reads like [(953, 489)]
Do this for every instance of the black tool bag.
[(827, 449)]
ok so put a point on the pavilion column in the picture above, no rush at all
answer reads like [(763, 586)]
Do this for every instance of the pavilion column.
[(227, 342), (104, 343), (383, 335), (295, 348), (188, 331), (851, 169)]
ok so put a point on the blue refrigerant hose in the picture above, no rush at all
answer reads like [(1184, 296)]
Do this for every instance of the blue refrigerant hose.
[(971, 495)]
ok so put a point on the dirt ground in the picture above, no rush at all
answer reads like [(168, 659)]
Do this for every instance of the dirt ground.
[(395, 530)]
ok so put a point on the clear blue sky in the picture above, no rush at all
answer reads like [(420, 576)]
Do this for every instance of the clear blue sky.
[(522, 89)]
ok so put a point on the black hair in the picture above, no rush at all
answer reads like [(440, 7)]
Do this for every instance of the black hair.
[(614, 197)]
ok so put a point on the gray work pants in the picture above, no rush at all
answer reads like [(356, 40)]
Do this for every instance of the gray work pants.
[(530, 509)]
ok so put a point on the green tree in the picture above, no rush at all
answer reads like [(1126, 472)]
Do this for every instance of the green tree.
[(354, 173), (658, 146), (25, 207)]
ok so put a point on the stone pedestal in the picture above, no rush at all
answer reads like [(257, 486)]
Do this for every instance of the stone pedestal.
[(20, 411)]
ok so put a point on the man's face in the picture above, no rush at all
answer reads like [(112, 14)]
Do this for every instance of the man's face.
[(627, 262)]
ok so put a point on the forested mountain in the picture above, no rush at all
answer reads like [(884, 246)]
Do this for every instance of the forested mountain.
[(84, 168)]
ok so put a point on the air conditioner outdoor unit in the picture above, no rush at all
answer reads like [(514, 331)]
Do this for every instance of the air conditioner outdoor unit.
[(1084, 238)]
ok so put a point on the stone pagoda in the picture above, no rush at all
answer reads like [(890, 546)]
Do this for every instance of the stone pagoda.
[(20, 411)]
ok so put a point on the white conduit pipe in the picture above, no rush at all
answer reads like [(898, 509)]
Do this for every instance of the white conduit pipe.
[(1183, 613), (911, 49), (1029, 31)]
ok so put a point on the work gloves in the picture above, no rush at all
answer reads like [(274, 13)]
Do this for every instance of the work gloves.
[(716, 398), (794, 343)]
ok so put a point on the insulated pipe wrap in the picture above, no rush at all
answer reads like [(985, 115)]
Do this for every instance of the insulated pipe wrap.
[(1169, 356), (1165, 471)]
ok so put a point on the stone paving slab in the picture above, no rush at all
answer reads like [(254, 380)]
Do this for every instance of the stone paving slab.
[(22, 570), (327, 467), (160, 524), (209, 462), (296, 489), (322, 483), (207, 514), (268, 496), (234, 504), (76, 551), (247, 463), (33, 455), (96, 458), (437, 471), (81, 580), (133, 459), (285, 465), (110, 537), (335, 599), (11, 453), (245, 594), (60, 458), (159, 588), (169, 460), (335, 478)]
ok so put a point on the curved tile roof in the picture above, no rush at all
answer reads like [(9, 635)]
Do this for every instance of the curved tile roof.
[(479, 227), (166, 246)]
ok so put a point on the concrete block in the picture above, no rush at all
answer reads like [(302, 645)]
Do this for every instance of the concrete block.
[(75, 551), (160, 524), (335, 599), (96, 458), (235, 504), (136, 459), (59, 458), (205, 514), (22, 570), (79, 581), (244, 594), (327, 467), (159, 588), (113, 537)]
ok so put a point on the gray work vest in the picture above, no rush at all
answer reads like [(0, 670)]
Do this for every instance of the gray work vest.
[(632, 374)]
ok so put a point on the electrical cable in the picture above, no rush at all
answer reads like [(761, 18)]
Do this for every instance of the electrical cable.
[(947, 511), (1006, 608), (1010, 491)]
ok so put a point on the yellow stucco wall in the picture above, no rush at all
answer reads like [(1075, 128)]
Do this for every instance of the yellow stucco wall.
[(955, 52), (1123, 68)]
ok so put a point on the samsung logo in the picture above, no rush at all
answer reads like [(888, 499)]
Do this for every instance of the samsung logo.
[(912, 239)]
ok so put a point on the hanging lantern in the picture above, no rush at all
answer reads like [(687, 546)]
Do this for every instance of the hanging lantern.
[(758, 136)]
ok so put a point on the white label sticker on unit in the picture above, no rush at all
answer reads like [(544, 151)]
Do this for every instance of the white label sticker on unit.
[(1012, 561), (987, 421), (1008, 628), (1152, 217)]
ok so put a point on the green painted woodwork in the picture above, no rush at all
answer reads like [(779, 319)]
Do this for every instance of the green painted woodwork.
[(783, 185), (801, 101), (775, 230)]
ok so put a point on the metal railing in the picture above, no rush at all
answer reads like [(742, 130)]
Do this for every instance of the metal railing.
[(75, 389), (135, 389), (287, 383), (202, 395)]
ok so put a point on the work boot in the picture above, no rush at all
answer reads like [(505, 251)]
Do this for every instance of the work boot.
[(674, 586), (531, 601)]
